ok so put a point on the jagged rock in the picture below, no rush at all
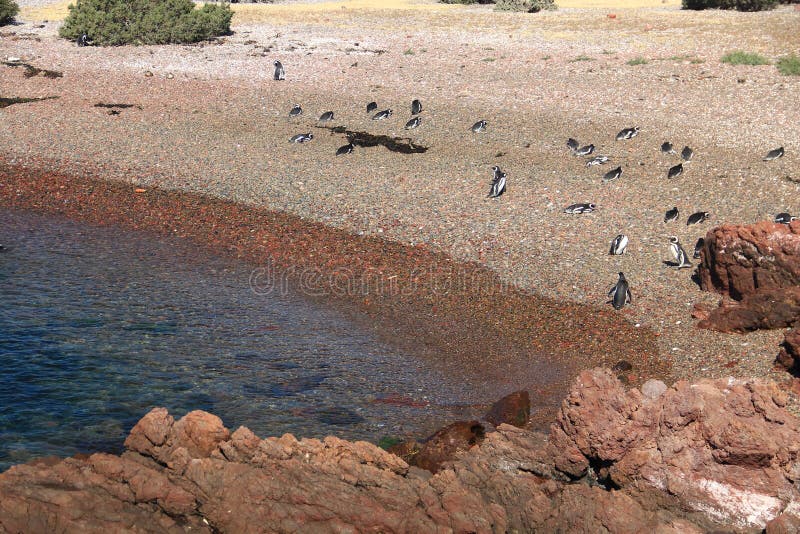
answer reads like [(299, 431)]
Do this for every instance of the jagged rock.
[(513, 409), (738, 260), (764, 309), (789, 355), (444, 444)]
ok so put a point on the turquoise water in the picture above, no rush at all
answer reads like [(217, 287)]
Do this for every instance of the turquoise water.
[(99, 325)]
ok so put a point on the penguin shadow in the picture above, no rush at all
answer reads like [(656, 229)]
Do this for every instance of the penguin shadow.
[(402, 145)]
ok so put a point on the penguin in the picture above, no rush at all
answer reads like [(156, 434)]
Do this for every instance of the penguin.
[(687, 154), (301, 138), (698, 247), (597, 160), (613, 174), (479, 127), (326, 117), (681, 259), (627, 133), (581, 207), (572, 144), (295, 111), (416, 107), (413, 123), (618, 245), (2, 248), (372, 106), (498, 184), (381, 115), (666, 148), (675, 171), (784, 218), (84, 40), (671, 215), (621, 293), (774, 154), (345, 149), (497, 172), (697, 218), (584, 150), (280, 74)]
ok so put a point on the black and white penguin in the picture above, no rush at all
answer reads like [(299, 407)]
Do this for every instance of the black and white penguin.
[(697, 218), (784, 218), (301, 138), (621, 293), (280, 74), (584, 150), (618, 245), (479, 126), (372, 106), (698, 247), (687, 154), (2, 248), (774, 154), (597, 160), (496, 173), (613, 174), (84, 40), (295, 111), (628, 133), (345, 149), (681, 259), (675, 171), (381, 115), (498, 184), (413, 123), (666, 148), (326, 117), (416, 107), (581, 207), (572, 144), (671, 215)]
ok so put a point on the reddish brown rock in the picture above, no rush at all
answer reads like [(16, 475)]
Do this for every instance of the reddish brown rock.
[(764, 309), (444, 444), (789, 355), (737, 260), (513, 409)]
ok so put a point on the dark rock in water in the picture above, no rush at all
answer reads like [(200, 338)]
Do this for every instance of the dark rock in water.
[(789, 355), (335, 415), (295, 385), (444, 444), (764, 309), (513, 409)]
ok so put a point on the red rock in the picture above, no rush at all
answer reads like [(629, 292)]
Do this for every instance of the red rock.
[(444, 444), (513, 409), (789, 355), (766, 308)]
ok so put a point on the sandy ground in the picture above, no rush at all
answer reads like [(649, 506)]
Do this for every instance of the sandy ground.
[(212, 120)]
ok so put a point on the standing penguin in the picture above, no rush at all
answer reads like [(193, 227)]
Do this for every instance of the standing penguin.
[(280, 74), (680, 256), (498, 183), (416, 107), (621, 293)]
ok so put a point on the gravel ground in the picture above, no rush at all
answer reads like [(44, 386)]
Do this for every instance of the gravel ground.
[(213, 121)]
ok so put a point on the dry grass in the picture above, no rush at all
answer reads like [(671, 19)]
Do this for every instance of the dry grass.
[(54, 12)]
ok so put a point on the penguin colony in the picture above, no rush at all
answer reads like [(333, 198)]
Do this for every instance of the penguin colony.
[(620, 293)]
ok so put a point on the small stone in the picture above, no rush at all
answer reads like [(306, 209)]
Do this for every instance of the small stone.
[(148, 74), (652, 389)]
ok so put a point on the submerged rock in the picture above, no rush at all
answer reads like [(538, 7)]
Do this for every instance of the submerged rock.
[(513, 409)]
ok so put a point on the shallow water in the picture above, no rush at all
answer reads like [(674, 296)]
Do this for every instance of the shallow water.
[(98, 325)]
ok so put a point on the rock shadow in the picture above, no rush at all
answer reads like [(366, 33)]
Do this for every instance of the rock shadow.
[(403, 145)]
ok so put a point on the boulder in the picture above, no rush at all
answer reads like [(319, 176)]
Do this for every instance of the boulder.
[(444, 444), (513, 409), (789, 355), (763, 309)]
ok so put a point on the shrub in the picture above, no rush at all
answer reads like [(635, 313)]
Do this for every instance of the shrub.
[(739, 57), (467, 1), (529, 6), (8, 10), (637, 61), (118, 22), (789, 65), (741, 5)]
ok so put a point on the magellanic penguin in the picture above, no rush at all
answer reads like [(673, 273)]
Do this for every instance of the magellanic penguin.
[(681, 259), (84, 40), (698, 247), (666, 148), (671, 215), (479, 126), (675, 171), (697, 218), (597, 160), (372, 106), (295, 111), (584, 150), (774, 154), (572, 144), (326, 117), (784, 218), (613, 174), (621, 293), (496, 173), (301, 138), (413, 123), (381, 115), (498, 184), (416, 107), (580, 207), (280, 74), (618, 245), (628, 133), (687, 154), (345, 149)]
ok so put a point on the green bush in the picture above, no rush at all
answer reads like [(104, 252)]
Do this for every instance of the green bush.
[(118, 22), (8, 10), (741, 5), (789, 65), (739, 57), (529, 6)]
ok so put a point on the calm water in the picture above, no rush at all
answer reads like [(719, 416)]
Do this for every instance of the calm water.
[(99, 325)]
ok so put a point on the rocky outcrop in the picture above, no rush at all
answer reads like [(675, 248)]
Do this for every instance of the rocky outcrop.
[(789, 355), (513, 409), (764, 309), (713, 455)]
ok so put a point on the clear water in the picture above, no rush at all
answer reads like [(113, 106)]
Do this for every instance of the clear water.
[(99, 325)]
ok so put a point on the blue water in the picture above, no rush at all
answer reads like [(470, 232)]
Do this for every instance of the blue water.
[(99, 325)]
